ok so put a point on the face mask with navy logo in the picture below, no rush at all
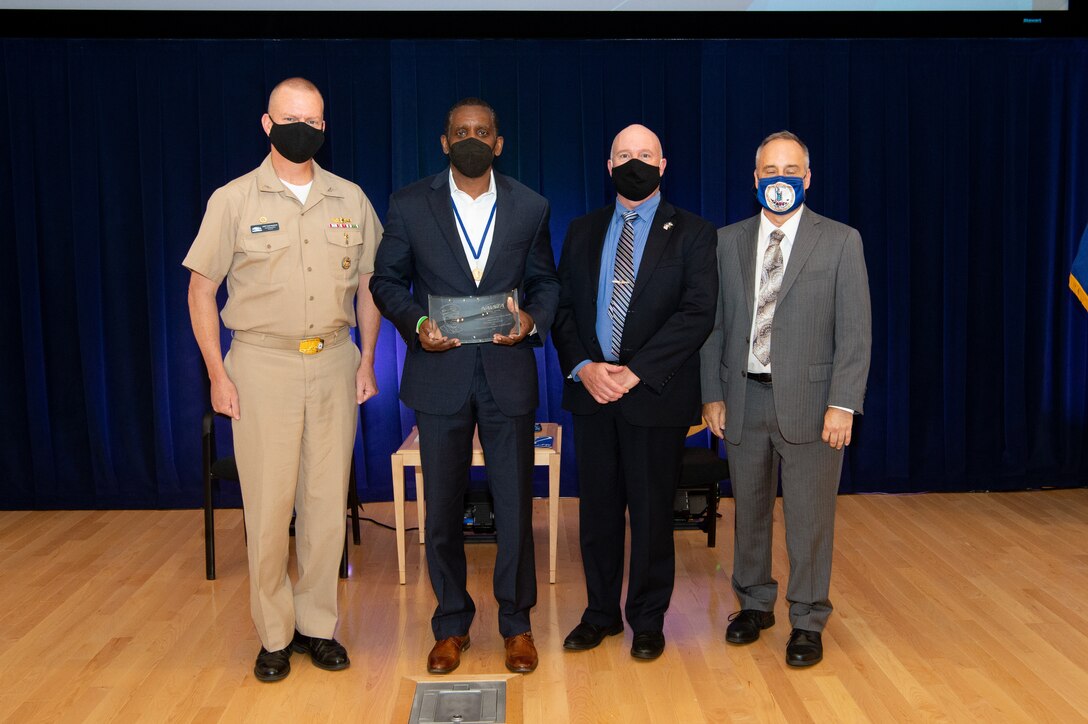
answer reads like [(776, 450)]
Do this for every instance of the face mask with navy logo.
[(781, 194)]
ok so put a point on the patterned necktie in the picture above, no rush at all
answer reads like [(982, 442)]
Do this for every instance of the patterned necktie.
[(770, 281), (623, 279)]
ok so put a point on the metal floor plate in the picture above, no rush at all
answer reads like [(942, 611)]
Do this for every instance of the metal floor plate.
[(460, 702)]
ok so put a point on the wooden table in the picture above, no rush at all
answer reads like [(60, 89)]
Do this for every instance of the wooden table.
[(408, 456)]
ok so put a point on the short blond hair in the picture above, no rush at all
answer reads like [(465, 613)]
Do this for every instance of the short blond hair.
[(298, 84)]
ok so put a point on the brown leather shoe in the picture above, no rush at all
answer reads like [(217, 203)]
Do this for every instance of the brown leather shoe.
[(445, 655), (521, 653)]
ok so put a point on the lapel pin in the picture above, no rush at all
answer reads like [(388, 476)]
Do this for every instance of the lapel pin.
[(667, 226)]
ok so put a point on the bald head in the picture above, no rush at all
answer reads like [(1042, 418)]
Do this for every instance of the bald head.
[(634, 141)]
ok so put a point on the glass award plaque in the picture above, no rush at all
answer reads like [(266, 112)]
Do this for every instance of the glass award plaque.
[(476, 319)]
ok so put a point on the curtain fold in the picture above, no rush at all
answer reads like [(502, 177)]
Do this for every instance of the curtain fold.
[(962, 163)]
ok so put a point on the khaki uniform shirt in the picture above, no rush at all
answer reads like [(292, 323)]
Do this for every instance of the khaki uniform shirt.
[(292, 270)]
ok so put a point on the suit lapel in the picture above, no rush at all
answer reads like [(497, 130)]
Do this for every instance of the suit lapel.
[(808, 234), (598, 228), (656, 242), (442, 208), (505, 208), (746, 250)]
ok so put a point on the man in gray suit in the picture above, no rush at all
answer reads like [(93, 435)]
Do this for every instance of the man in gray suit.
[(783, 374)]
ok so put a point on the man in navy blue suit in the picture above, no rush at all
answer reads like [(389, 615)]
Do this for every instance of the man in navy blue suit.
[(638, 289), (469, 231)]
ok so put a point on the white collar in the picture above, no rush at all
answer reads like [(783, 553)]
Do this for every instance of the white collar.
[(454, 191), (789, 228)]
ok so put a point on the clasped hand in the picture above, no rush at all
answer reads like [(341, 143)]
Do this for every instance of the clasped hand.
[(607, 382)]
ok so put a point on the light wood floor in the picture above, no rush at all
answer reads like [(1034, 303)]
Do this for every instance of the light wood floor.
[(952, 608)]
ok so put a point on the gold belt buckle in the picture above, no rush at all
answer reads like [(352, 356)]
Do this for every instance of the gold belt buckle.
[(311, 346)]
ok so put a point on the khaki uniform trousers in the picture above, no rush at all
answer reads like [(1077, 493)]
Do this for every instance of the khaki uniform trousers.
[(293, 446)]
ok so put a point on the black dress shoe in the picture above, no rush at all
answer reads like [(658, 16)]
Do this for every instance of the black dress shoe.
[(272, 665), (326, 654), (648, 645), (745, 625), (805, 648), (586, 636)]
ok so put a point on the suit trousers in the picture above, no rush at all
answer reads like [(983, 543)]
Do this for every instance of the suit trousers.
[(627, 467), (445, 447), (810, 481), (293, 445)]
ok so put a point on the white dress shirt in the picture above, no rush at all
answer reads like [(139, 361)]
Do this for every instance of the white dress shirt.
[(474, 215)]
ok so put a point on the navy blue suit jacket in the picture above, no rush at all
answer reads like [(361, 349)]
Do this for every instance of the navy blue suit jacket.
[(671, 313), (421, 254)]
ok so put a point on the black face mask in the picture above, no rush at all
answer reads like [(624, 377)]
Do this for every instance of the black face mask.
[(297, 142), (635, 180), (472, 157)]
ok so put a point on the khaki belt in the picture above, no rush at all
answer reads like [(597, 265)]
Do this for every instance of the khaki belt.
[(309, 345)]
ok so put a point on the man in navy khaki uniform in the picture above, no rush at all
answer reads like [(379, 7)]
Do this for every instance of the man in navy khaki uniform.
[(296, 246)]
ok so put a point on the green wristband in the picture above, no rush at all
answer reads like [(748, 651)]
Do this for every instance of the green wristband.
[(420, 322)]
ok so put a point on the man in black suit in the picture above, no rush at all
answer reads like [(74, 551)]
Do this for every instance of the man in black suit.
[(469, 231), (638, 289)]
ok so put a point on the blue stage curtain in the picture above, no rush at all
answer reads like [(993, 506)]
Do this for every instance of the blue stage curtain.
[(962, 162)]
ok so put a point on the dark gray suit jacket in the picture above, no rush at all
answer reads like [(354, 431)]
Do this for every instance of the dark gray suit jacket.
[(821, 334), (421, 254)]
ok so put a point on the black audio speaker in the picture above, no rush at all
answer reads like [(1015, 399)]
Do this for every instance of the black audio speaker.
[(479, 514)]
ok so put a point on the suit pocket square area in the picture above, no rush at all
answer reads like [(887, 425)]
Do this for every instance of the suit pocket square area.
[(516, 246), (670, 261), (813, 278)]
